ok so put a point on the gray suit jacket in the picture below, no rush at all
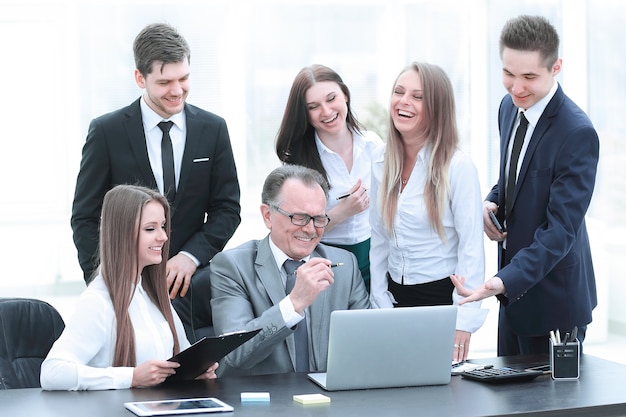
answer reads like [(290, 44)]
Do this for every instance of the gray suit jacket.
[(246, 289)]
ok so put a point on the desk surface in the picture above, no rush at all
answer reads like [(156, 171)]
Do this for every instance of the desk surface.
[(598, 392)]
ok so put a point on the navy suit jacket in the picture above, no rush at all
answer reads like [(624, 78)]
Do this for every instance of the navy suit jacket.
[(206, 210), (548, 272)]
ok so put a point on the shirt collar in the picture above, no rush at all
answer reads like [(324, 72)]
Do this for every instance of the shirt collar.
[(424, 153), (279, 256), (358, 144), (151, 118), (533, 113)]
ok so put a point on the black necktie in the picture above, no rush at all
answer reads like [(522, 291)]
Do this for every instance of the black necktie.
[(520, 133), (167, 157), (300, 334)]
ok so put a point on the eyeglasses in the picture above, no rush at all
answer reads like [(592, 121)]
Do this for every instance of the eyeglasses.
[(301, 219)]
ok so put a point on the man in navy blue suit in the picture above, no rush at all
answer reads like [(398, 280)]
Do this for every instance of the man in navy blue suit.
[(545, 279)]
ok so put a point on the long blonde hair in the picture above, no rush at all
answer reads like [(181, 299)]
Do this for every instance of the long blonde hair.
[(119, 233), (439, 127)]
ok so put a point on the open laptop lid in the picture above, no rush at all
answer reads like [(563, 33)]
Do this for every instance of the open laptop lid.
[(383, 348)]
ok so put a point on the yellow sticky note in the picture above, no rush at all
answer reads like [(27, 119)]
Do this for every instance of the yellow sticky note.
[(311, 399)]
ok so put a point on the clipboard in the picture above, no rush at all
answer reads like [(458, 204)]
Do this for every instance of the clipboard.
[(197, 358)]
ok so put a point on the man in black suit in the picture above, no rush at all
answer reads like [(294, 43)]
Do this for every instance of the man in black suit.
[(125, 147)]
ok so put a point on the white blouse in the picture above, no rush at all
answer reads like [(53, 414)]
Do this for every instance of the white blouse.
[(415, 254), (82, 358), (355, 229)]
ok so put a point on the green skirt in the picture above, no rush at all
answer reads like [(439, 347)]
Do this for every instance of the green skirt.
[(362, 253)]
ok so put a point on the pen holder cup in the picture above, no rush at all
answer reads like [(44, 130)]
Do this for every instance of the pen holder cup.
[(565, 360)]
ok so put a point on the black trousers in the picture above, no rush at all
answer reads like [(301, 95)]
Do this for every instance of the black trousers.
[(433, 293)]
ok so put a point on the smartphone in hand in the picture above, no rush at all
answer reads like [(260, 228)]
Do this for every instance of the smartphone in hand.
[(495, 221)]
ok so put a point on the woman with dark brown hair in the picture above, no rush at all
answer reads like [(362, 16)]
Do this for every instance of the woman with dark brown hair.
[(124, 328), (320, 131)]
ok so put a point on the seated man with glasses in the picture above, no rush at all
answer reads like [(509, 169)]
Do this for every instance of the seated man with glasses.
[(286, 284)]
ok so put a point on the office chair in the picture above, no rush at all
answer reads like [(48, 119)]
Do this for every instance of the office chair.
[(194, 309), (28, 328)]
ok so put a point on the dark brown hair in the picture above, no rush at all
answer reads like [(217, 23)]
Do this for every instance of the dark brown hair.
[(159, 42), (531, 33), (295, 141)]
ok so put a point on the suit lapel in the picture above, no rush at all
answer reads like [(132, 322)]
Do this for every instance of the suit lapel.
[(506, 120), (268, 273), (538, 135), (266, 269), (133, 127), (506, 140), (194, 129)]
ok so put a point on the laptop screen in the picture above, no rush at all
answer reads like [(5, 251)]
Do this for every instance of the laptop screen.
[(410, 346)]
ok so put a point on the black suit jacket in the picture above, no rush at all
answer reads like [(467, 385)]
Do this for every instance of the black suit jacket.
[(548, 272), (206, 210)]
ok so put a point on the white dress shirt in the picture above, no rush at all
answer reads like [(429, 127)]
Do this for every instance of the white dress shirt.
[(532, 114), (287, 310), (154, 135), (355, 229), (82, 358), (415, 254)]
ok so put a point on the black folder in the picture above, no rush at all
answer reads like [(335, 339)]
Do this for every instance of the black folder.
[(197, 358)]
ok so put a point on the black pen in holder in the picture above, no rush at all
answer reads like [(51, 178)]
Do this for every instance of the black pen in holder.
[(565, 360)]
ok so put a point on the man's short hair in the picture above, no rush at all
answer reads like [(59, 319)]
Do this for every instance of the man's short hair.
[(159, 42), (275, 180), (531, 33)]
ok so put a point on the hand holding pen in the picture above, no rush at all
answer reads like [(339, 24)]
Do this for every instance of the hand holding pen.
[(312, 278), (353, 202)]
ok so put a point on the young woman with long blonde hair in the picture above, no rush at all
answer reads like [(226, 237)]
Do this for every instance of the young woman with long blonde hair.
[(426, 213)]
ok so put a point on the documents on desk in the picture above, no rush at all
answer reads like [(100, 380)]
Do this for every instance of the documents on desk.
[(459, 367)]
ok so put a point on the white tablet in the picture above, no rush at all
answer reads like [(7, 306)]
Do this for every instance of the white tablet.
[(181, 406)]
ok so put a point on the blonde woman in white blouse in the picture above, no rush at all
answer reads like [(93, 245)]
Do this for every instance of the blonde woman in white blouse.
[(426, 213)]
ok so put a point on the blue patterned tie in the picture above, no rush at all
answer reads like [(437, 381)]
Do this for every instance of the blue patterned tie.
[(301, 336)]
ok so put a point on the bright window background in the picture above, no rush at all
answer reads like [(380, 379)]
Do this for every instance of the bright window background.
[(66, 62)]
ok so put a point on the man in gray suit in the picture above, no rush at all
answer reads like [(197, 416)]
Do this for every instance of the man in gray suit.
[(248, 282)]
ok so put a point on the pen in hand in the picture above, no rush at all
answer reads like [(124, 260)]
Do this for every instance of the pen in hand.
[(336, 265), (341, 197)]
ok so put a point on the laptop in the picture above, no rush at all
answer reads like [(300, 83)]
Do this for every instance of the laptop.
[(384, 348)]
